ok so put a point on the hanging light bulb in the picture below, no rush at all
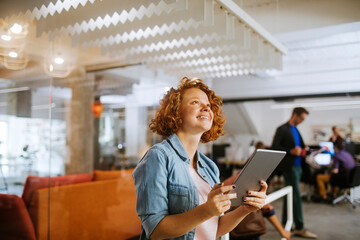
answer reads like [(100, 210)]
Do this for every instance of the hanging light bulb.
[(15, 59), (13, 54), (6, 37), (56, 66), (59, 60), (16, 28)]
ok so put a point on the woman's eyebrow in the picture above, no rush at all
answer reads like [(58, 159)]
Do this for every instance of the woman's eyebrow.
[(192, 98)]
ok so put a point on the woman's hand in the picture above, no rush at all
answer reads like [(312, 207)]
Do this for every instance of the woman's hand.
[(256, 200), (218, 200)]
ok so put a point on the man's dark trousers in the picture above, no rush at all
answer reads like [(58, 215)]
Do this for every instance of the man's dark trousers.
[(292, 178)]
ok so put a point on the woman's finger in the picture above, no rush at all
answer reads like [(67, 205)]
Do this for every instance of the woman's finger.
[(263, 187), (256, 194), (222, 189), (255, 204), (254, 199), (227, 196), (225, 206), (217, 185)]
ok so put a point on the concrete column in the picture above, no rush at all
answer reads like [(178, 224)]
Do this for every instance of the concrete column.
[(97, 163), (80, 123), (19, 104)]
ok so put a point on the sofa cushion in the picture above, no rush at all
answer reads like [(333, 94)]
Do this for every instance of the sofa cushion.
[(99, 175), (15, 222), (34, 183)]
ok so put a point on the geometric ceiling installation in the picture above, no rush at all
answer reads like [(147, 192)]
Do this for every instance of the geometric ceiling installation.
[(203, 38)]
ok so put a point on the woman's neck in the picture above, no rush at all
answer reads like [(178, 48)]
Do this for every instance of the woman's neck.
[(190, 144)]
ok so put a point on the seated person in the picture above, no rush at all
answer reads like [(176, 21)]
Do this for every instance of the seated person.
[(342, 166), (267, 211)]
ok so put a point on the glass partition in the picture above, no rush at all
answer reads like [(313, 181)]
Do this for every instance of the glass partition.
[(24, 137)]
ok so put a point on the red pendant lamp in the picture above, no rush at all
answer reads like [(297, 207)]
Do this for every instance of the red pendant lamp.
[(97, 107)]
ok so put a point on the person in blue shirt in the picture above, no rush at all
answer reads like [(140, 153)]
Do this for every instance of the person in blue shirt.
[(179, 195), (287, 138)]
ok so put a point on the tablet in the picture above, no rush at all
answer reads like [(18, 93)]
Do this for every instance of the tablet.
[(259, 167)]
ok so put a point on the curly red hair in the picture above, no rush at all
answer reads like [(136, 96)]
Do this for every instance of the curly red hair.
[(167, 119)]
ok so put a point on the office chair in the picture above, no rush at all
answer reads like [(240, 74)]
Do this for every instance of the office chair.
[(354, 185)]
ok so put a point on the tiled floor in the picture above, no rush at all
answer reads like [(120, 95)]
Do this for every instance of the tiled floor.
[(339, 222)]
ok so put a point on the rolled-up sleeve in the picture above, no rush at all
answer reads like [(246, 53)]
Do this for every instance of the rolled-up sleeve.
[(151, 189), (268, 210)]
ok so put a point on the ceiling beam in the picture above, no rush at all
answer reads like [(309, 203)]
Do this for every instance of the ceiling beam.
[(290, 97)]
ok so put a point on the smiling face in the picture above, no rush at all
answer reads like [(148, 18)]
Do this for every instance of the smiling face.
[(195, 111)]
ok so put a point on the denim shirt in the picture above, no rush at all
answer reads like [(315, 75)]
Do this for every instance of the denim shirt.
[(164, 186)]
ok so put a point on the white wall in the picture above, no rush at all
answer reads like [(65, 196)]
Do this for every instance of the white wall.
[(284, 16)]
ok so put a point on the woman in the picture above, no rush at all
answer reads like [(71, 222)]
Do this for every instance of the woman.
[(178, 190), (336, 134)]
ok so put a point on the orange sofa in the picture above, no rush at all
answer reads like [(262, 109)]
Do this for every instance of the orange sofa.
[(98, 206)]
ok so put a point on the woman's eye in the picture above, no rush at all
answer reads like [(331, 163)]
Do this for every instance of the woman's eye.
[(195, 102)]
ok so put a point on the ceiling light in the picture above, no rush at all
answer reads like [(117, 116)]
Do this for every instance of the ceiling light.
[(13, 54), (315, 104), (15, 59), (59, 60), (16, 28), (57, 68), (5, 37)]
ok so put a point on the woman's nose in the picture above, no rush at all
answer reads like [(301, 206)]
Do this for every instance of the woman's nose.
[(206, 108)]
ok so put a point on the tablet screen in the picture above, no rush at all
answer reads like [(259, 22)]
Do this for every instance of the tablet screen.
[(258, 167)]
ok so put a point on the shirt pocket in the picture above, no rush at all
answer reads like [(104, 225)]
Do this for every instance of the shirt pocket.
[(178, 198)]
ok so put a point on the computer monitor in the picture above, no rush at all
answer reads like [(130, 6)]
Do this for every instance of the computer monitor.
[(329, 146), (218, 150), (323, 159), (357, 148)]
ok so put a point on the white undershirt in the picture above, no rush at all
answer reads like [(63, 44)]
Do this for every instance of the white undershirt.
[(206, 230)]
